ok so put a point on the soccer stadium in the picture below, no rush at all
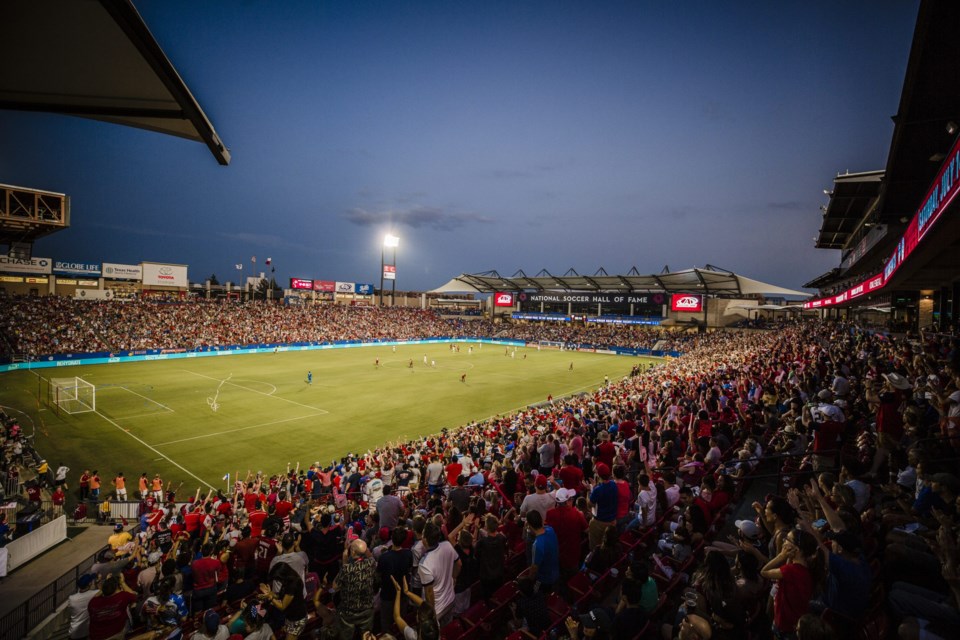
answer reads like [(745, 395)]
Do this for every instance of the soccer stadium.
[(305, 450)]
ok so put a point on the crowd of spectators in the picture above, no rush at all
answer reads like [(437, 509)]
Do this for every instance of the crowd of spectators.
[(37, 326), (601, 515)]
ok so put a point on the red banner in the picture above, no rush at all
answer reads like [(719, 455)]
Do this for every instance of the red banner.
[(328, 286), (297, 283), (689, 302), (503, 299)]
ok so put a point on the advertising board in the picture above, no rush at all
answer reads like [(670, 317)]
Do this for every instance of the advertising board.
[(299, 283), (164, 275), (344, 287), (21, 265), (689, 302), (503, 299), (122, 271), (389, 272), (90, 269), (364, 289), (325, 286)]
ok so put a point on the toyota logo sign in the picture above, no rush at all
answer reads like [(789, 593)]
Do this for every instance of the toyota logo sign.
[(502, 299), (686, 302)]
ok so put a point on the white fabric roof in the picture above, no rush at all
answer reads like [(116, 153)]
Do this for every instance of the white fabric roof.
[(712, 281)]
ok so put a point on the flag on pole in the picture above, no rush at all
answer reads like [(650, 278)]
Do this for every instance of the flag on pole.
[(253, 259), (268, 261), (226, 477), (239, 267)]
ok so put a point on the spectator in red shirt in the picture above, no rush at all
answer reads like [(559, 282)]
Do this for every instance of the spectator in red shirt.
[(108, 611), (570, 474), (606, 451), (570, 525), (283, 506), (454, 469), (58, 497), (206, 570), (256, 518)]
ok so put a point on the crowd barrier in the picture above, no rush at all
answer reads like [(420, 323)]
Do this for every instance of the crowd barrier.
[(25, 548), (77, 359)]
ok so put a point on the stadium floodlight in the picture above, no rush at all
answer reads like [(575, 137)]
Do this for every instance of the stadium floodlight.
[(389, 241)]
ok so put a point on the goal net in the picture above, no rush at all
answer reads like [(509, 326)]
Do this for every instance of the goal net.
[(550, 344), (73, 395)]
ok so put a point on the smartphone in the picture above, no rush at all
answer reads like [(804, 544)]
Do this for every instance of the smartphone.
[(820, 524)]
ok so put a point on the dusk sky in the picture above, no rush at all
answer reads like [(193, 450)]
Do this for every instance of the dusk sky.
[(486, 135)]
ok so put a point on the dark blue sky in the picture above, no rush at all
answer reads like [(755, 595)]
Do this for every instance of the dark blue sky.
[(486, 135)]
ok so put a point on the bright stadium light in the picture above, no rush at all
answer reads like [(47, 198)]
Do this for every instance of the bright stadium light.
[(389, 241)]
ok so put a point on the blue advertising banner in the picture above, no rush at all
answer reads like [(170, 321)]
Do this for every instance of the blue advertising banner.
[(553, 317), (364, 289), (624, 320), (77, 268)]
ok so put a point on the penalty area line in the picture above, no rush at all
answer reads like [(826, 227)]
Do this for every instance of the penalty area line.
[(165, 457), (220, 433)]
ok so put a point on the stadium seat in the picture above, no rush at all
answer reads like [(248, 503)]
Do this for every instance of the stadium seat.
[(505, 594)]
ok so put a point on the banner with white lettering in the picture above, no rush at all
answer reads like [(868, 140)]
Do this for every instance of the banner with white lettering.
[(116, 271), (19, 265), (76, 268), (164, 275)]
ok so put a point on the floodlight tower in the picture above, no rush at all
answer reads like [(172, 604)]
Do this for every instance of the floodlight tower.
[(389, 271)]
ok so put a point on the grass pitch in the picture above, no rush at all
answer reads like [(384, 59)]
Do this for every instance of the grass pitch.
[(158, 416)]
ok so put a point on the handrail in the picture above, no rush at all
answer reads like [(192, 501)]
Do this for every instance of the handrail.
[(26, 616)]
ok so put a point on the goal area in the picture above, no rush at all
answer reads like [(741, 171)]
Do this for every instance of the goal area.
[(72, 395)]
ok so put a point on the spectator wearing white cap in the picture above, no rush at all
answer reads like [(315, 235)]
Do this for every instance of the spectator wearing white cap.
[(570, 525)]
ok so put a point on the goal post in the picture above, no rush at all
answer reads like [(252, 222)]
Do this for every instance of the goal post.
[(72, 395), (549, 344)]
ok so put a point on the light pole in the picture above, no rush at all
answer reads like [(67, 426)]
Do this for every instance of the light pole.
[(389, 241)]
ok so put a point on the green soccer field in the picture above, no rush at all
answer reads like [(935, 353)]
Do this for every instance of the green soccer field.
[(157, 416)]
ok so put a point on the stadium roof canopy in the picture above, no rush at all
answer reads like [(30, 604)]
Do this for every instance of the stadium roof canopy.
[(852, 196), (710, 280), (96, 59)]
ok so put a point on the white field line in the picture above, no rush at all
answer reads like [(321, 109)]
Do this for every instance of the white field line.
[(220, 433), (305, 406), (159, 404), (165, 457), (274, 387)]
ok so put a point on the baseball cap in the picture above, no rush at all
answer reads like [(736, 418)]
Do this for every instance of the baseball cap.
[(118, 527), (84, 581), (948, 480), (562, 495), (154, 557), (748, 528), (211, 620), (597, 619), (540, 482), (603, 470), (384, 533)]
